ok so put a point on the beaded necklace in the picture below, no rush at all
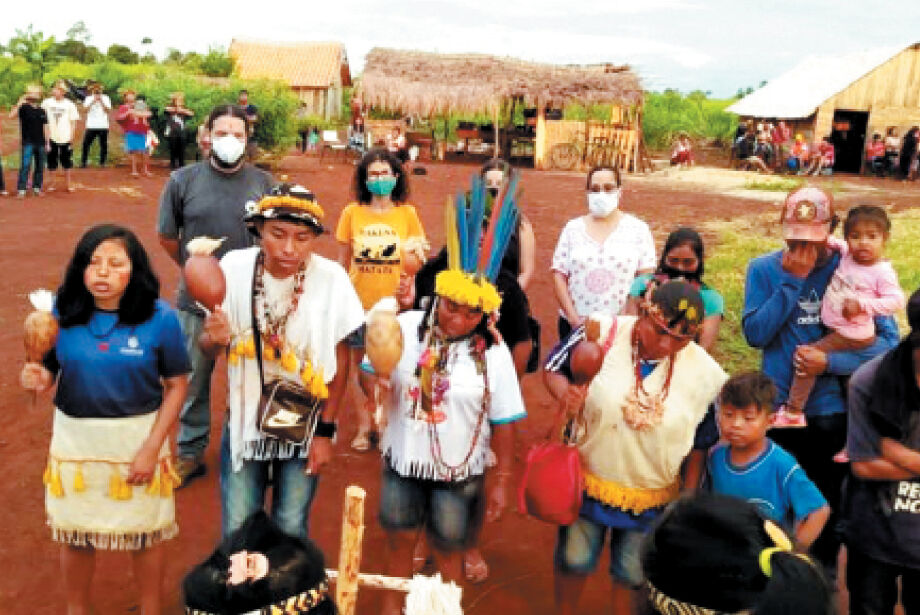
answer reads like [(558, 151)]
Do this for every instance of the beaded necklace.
[(641, 409), (273, 327)]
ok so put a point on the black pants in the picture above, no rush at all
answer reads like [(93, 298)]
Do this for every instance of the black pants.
[(814, 448), (91, 135), (2, 183), (873, 586), (303, 137), (176, 152)]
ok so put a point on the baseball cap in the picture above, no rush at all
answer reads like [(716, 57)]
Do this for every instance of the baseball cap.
[(807, 215)]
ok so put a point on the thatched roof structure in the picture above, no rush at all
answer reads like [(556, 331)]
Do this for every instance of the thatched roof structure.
[(416, 82)]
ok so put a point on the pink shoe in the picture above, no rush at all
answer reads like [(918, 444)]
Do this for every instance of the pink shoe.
[(783, 418), (842, 456)]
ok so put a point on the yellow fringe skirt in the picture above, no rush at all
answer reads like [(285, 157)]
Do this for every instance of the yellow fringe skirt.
[(87, 499)]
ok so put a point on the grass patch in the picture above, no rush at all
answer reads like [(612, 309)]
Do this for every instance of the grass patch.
[(774, 185), (744, 238)]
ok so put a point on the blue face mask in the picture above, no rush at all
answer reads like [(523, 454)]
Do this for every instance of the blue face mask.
[(381, 186)]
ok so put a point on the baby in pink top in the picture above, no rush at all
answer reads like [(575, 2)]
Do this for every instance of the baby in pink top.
[(864, 286)]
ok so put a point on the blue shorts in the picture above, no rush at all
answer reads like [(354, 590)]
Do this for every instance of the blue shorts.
[(451, 512), (135, 142), (579, 546)]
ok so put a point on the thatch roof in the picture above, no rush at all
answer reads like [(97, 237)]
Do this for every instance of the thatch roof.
[(416, 82), (301, 65)]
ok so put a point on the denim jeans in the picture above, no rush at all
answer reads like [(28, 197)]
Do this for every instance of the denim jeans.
[(195, 418), (243, 493), (31, 152), (579, 546)]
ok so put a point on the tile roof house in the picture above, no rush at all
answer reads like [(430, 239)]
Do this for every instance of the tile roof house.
[(317, 71)]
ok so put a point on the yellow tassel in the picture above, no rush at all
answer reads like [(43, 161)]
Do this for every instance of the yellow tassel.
[(79, 485), (233, 358), (632, 499), (249, 349), (166, 487), (46, 475), (268, 353), (126, 491), (171, 471), (56, 487), (154, 487), (306, 375), (290, 362), (114, 484), (318, 385)]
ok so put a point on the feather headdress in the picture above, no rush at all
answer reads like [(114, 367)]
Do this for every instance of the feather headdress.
[(474, 256)]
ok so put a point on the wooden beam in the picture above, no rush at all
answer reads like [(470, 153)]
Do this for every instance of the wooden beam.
[(346, 588), (539, 145)]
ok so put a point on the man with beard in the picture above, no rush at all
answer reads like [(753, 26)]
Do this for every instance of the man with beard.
[(207, 198)]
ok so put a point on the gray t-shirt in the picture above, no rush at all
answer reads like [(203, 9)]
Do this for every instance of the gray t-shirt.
[(199, 200)]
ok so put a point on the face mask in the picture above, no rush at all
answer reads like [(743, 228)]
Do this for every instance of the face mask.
[(602, 204), (228, 149), (673, 273), (492, 191), (381, 186)]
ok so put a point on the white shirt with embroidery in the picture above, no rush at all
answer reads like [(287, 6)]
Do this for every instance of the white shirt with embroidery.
[(406, 442), (601, 274)]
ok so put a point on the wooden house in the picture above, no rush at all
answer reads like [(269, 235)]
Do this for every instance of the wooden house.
[(316, 72), (848, 97), (432, 84)]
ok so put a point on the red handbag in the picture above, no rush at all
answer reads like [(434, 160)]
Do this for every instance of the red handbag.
[(552, 484)]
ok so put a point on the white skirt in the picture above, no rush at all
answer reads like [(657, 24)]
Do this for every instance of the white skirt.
[(87, 499)]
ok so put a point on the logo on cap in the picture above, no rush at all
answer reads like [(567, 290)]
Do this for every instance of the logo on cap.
[(805, 211)]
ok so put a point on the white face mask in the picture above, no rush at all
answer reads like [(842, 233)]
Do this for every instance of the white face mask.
[(602, 204), (228, 149)]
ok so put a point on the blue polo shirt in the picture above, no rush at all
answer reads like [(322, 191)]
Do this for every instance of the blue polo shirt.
[(107, 369)]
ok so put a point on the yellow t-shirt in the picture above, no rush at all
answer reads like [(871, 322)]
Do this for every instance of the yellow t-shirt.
[(376, 239)]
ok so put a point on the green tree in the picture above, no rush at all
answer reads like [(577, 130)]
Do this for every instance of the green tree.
[(79, 32), (123, 54), (32, 46), (173, 56), (217, 63), (146, 40)]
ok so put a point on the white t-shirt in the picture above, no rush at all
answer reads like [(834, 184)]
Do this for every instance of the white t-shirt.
[(60, 115), (407, 442), (97, 114), (328, 310), (600, 275)]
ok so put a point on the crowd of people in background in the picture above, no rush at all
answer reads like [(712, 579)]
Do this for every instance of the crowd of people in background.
[(786, 471)]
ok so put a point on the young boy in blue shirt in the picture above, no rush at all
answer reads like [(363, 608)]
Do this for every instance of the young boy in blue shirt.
[(748, 465)]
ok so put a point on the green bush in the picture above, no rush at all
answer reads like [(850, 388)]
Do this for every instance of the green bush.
[(668, 113), (15, 74)]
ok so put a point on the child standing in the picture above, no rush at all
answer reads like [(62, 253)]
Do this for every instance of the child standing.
[(864, 286), (750, 466), (371, 233), (133, 116)]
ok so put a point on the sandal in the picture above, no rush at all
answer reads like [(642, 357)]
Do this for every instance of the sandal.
[(842, 456), (475, 568)]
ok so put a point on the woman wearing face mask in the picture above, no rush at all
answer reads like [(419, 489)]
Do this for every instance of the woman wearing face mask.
[(371, 233), (599, 254), (682, 258), (520, 259)]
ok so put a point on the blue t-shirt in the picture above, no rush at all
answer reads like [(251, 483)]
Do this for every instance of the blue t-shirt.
[(108, 369), (782, 312), (774, 482), (713, 304)]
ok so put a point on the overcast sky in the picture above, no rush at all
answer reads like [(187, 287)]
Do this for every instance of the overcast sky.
[(717, 45)]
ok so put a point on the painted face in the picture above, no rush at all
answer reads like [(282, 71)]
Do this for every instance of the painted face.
[(867, 242), (682, 258), (455, 319), (108, 274), (743, 427), (656, 341), (287, 245)]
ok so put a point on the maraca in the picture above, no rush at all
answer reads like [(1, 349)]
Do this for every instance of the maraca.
[(585, 362), (204, 279), (41, 328), (383, 345)]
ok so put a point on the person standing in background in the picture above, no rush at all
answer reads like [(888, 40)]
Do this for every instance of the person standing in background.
[(33, 130), (62, 126), (176, 116), (98, 106)]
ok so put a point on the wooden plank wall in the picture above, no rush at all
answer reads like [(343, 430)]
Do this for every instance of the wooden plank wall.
[(557, 132)]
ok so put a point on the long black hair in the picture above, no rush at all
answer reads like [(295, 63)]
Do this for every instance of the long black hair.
[(379, 154), (705, 551), (75, 304), (683, 236)]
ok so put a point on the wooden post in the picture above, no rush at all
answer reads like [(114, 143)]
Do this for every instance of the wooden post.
[(346, 588), (496, 114), (539, 145)]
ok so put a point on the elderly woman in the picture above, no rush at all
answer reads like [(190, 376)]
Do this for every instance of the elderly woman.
[(644, 429), (284, 322), (599, 254)]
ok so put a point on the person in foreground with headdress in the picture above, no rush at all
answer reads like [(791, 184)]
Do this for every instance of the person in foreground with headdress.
[(260, 569), (711, 554), (284, 322), (453, 391), (121, 370), (646, 427)]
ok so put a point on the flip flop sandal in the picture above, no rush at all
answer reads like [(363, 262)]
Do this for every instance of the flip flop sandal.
[(477, 571)]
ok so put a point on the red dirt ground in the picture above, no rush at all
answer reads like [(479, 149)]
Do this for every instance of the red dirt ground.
[(36, 239)]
